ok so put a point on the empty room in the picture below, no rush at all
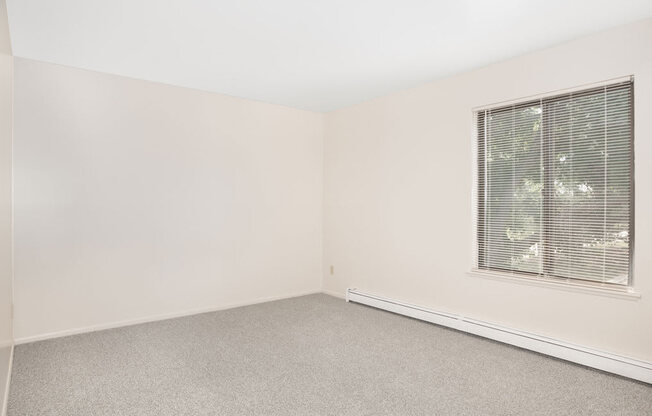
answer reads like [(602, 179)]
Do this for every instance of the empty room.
[(342, 207)]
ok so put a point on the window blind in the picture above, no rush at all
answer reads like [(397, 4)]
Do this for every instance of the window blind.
[(555, 186)]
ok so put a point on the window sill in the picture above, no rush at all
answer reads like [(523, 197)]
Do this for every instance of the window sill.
[(621, 292)]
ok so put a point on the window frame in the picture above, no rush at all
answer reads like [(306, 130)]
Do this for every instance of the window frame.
[(478, 197)]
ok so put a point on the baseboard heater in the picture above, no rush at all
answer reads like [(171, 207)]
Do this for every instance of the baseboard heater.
[(627, 367)]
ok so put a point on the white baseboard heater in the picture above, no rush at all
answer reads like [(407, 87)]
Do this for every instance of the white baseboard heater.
[(627, 367)]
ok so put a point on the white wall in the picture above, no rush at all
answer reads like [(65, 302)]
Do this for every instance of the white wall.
[(398, 210), (136, 199), (6, 63)]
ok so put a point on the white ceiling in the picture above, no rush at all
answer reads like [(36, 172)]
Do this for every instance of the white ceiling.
[(311, 54)]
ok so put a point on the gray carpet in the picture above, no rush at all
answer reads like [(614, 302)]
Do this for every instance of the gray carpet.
[(313, 355)]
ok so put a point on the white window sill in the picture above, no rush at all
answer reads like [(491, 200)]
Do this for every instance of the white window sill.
[(604, 289)]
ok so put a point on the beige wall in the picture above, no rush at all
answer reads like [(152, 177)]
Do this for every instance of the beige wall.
[(398, 210), (136, 199), (6, 62)]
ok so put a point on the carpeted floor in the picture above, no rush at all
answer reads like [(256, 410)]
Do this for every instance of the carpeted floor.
[(313, 355)]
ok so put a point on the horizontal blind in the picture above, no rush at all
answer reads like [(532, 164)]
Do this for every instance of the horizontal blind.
[(555, 180)]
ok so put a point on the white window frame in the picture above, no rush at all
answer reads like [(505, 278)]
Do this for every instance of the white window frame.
[(575, 285)]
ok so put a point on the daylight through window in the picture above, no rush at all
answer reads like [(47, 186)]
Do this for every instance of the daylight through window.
[(555, 186)]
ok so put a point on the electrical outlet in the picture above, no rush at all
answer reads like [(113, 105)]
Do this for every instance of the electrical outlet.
[(332, 270)]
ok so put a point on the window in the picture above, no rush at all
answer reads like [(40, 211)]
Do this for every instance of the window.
[(555, 186)]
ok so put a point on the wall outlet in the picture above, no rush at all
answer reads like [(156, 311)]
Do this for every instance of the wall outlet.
[(332, 270)]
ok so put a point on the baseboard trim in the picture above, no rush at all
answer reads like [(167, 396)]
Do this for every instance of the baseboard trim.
[(612, 363), (5, 400), (153, 318)]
